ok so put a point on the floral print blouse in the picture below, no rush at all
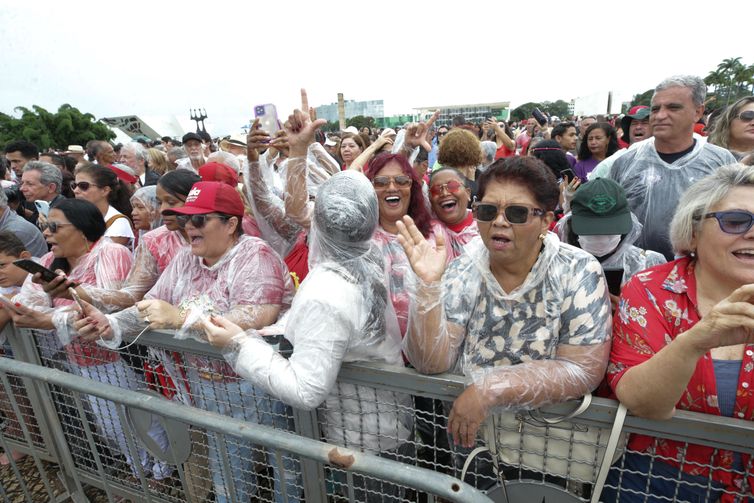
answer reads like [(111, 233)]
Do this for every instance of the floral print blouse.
[(655, 307)]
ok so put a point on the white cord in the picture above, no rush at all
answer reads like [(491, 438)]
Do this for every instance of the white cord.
[(130, 343)]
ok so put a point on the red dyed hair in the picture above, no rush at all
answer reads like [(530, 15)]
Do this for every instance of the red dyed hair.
[(416, 207)]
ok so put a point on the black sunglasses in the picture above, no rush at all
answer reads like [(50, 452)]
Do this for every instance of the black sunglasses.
[(746, 116), (53, 226), (515, 214), (197, 221), (84, 186), (380, 182), (732, 222)]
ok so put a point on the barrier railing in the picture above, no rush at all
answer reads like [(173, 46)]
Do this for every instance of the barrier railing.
[(394, 415)]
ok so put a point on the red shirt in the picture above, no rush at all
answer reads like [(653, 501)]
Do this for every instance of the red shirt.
[(655, 307), (503, 152)]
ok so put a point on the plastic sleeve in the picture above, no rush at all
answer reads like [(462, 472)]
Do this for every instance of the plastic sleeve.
[(296, 194)]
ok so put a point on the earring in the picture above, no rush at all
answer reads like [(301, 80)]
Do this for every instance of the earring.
[(542, 236), (692, 253)]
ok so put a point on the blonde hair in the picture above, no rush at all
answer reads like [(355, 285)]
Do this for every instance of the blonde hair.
[(702, 196), (158, 161)]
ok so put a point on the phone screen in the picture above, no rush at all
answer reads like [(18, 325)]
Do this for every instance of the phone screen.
[(614, 280)]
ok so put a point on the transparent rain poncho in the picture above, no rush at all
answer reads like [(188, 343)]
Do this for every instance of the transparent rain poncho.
[(105, 266), (340, 314), (627, 257), (246, 280), (653, 187), (148, 197), (545, 342), (153, 254)]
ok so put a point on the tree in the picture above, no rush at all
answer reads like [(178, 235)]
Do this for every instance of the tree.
[(558, 108), (68, 126), (644, 98), (359, 121), (524, 111)]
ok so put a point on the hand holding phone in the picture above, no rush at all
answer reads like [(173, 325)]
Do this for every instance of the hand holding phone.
[(77, 299), (9, 305), (268, 118)]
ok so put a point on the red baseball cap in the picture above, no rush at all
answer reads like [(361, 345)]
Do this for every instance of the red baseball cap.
[(217, 172), (211, 197)]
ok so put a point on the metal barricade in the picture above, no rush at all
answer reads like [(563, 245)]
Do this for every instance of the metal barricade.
[(396, 416)]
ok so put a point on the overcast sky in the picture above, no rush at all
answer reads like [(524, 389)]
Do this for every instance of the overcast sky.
[(162, 58)]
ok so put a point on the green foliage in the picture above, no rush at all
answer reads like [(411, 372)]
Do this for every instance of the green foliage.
[(524, 111), (359, 121), (644, 98), (68, 126), (558, 108), (730, 81)]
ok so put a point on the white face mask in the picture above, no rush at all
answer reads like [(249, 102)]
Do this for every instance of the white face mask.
[(599, 246)]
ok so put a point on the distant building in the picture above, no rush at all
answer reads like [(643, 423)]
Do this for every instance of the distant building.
[(472, 113), (372, 108), (395, 121)]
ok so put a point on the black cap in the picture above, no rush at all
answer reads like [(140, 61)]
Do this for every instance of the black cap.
[(191, 136)]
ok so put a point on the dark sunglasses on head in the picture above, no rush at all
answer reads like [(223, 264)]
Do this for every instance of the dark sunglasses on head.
[(84, 186), (453, 187), (197, 221), (746, 116), (380, 182), (53, 226), (515, 214), (732, 222)]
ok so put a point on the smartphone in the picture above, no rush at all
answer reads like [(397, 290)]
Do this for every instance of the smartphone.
[(76, 298), (268, 118), (539, 116), (32, 267), (10, 305), (43, 207), (614, 280), (568, 174)]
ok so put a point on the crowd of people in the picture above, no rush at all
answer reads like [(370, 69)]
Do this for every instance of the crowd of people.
[(539, 259)]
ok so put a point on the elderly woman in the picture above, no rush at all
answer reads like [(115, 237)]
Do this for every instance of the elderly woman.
[(524, 316), (145, 211), (734, 129), (74, 230), (689, 325), (338, 315), (222, 272)]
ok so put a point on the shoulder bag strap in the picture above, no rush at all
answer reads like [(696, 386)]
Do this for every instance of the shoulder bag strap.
[(612, 446)]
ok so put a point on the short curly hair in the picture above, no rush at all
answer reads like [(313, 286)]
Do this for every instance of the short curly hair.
[(460, 149)]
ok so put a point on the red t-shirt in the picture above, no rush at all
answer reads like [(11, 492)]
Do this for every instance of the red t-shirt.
[(503, 152)]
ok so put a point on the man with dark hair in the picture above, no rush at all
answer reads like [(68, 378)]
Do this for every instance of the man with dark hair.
[(18, 153), (567, 137)]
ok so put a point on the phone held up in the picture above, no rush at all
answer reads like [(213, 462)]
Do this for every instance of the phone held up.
[(268, 118), (33, 268)]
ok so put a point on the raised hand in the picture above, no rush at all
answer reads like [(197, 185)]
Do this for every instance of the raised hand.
[(416, 134), (427, 262), (256, 140), (729, 323), (301, 129)]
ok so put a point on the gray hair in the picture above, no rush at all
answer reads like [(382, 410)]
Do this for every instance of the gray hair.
[(3, 199), (226, 158), (178, 153), (48, 173), (695, 84), (489, 148), (700, 197), (138, 150)]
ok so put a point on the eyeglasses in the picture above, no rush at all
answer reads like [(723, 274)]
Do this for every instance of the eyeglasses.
[(380, 182), (746, 116), (515, 214), (453, 187), (442, 133), (53, 226), (732, 222), (197, 221), (84, 186)]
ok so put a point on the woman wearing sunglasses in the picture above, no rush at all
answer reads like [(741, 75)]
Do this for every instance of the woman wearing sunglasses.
[(74, 230), (734, 129), (222, 272), (689, 325), (101, 187), (152, 255), (449, 198), (399, 193), (524, 316)]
